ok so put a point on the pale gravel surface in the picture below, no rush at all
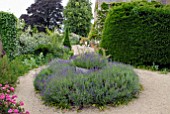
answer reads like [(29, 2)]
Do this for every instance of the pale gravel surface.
[(154, 99)]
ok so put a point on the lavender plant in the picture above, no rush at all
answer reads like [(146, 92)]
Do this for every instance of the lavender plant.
[(90, 60), (63, 86)]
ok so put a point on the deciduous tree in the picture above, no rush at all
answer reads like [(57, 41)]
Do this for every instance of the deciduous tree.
[(78, 15), (44, 13)]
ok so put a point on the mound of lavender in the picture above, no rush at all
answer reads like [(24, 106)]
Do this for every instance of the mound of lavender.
[(65, 86), (90, 61)]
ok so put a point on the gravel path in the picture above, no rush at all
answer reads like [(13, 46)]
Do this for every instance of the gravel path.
[(154, 99)]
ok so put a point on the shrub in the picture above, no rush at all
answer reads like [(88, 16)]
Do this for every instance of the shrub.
[(8, 104), (7, 75), (74, 39), (62, 86), (93, 34), (138, 33), (90, 60), (78, 15), (56, 67), (11, 70), (8, 32), (18, 68), (56, 38), (50, 43), (66, 39), (30, 43)]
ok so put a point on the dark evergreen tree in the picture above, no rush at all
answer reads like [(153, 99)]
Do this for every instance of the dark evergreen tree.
[(44, 13), (78, 15), (66, 38)]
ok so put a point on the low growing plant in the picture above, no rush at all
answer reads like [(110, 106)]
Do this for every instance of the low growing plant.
[(90, 60), (6, 71), (11, 70), (63, 86)]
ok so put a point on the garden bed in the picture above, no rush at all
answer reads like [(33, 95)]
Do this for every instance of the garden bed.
[(65, 85)]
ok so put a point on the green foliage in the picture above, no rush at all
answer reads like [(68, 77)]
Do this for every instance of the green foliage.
[(55, 38), (29, 43), (164, 71), (62, 86), (11, 70), (66, 39), (33, 61), (97, 29), (74, 39), (90, 60), (104, 6), (93, 34), (18, 68), (138, 33), (50, 44), (78, 14), (6, 72), (8, 32)]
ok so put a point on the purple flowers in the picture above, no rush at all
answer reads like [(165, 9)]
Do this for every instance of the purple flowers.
[(90, 61)]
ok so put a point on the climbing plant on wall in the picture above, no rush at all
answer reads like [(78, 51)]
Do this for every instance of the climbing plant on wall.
[(97, 28), (8, 32)]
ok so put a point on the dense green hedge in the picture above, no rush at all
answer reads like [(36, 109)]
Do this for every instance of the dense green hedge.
[(138, 33), (8, 32)]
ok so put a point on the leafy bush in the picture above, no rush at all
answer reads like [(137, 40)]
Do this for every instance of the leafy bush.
[(90, 60), (8, 32), (18, 68), (93, 34), (29, 43), (7, 75), (78, 15), (61, 85), (11, 70), (74, 39), (50, 43), (8, 104), (33, 61), (138, 33), (56, 38)]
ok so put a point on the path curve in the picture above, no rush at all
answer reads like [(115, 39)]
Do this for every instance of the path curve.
[(154, 99)]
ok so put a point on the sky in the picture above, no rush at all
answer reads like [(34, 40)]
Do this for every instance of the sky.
[(18, 7)]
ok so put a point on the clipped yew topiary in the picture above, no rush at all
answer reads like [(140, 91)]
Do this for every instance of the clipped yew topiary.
[(8, 32), (138, 33), (66, 39)]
